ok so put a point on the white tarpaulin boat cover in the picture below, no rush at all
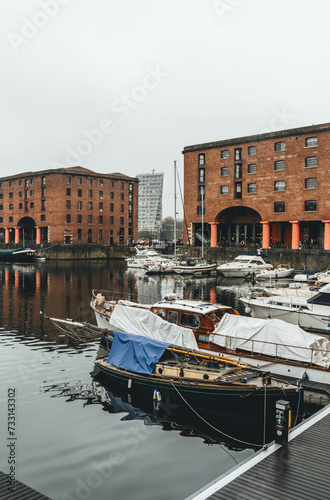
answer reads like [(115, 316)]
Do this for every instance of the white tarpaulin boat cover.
[(143, 322), (272, 337)]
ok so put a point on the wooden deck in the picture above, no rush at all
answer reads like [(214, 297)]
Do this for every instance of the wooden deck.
[(22, 492), (298, 471)]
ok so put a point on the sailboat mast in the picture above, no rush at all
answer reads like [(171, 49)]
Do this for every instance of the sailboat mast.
[(202, 221), (174, 235)]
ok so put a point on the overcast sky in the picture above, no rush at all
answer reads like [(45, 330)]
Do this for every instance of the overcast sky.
[(124, 85)]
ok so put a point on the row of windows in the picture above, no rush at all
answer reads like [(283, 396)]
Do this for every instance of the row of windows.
[(310, 183), (11, 219), (100, 219), (68, 206), (101, 194), (252, 150), (310, 206), (279, 207), (68, 181)]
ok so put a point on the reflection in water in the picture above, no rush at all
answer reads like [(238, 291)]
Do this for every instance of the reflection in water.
[(236, 432)]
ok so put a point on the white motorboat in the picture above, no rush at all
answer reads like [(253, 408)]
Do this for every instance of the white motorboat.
[(306, 276), (144, 257), (245, 265), (274, 274), (311, 313)]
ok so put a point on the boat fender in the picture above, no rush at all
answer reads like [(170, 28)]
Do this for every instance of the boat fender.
[(157, 395), (304, 376), (248, 309), (129, 383), (205, 376)]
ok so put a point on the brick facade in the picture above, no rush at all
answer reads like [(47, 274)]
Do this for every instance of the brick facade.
[(69, 205), (277, 183)]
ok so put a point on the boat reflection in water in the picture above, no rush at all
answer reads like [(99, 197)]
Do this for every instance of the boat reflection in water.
[(214, 427)]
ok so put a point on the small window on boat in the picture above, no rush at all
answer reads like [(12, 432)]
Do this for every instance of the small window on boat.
[(159, 312), (172, 317), (203, 338), (190, 320)]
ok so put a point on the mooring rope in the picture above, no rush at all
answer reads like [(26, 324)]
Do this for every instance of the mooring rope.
[(212, 426)]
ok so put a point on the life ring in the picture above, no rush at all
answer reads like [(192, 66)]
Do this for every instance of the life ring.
[(242, 243)]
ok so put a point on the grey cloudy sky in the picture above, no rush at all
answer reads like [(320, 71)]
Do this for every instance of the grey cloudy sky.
[(124, 85)]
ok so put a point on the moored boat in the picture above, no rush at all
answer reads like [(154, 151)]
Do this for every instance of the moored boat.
[(195, 267), (17, 255), (245, 265), (279, 272)]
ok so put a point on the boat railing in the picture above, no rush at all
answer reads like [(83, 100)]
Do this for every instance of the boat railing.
[(277, 351), (115, 296)]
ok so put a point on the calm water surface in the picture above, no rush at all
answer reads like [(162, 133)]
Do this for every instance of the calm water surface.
[(78, 438)]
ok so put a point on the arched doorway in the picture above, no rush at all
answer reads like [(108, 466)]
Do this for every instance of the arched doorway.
[(27, 230), (238, 225)]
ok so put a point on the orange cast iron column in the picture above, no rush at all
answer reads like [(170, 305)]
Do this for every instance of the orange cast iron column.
[(326, 234), (295, 235), (265, 234), (6, 235), (38, 235), (16, 234), (214, 233)]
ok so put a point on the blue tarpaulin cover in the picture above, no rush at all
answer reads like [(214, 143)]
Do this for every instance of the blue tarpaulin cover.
[(135, 352)]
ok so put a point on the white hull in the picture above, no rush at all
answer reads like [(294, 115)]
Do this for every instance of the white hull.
[(198, 269), (308, 320), (274, 274)]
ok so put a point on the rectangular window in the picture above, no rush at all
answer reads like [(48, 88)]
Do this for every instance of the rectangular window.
[(111, 195), (26, 183), (11, 195), (68, 204), (79, 234), (68, 180), (252, 188), (68, 218), (310, 206), (79, 219), (80, 181), (121, 208), (252, 168), (79, 193), (90, 182), (43, 181), (90, 193), (11, 219), (68, 191), (121, 221), (279, 165), (280, 146), (90, 206), (130, 196), (1, 207), (112, 184), (101, 182), (122, 196), (238, 154), (100, 207), (43, 193), (224, 171), (252, 150), (201, 190), (201, 160), (199, 210), (43, 218), (31, 181), (111, 220), (11, 206), (224, 189), (100, 219), (26, 193), (79, 205), (279, 186), (310, 142), (20, 194), (130, 187), (225, 153), (43, 205), (311, 161), (20, 206), (32, 204), (90, 219), (111, 207), (201, 175), (20, 183), (101, 195), (279, 206), (100, 234), (11, 184), (238, 171), (1, 185), (311, 183), (121, 185), (238, 190)]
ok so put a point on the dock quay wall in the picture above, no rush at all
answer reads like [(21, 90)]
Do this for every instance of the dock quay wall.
[(305, 258)]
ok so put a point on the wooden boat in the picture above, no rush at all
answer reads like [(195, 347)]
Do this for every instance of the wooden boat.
[(196, 268), (160, 370)]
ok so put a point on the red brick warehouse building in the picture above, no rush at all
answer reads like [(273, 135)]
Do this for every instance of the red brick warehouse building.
[(269, 188), (68, 205)]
